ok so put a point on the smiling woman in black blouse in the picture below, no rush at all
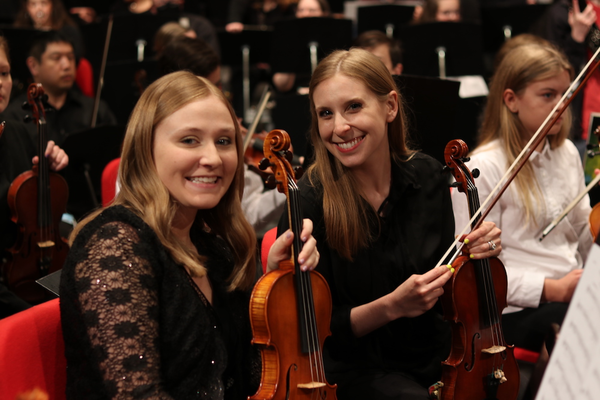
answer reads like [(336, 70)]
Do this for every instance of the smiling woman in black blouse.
[(383, 219), (154, 293)]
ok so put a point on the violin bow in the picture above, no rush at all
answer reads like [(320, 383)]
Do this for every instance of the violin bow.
[(522, 158), (261, 108), (102, 70)]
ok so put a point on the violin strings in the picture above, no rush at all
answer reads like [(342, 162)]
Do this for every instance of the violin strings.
[(315, 358), (43, 195), (489, 288)]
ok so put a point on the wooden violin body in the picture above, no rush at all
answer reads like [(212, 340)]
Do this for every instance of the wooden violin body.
[(37, 251), (276, 326), (37, 200), (290, 309), (481, 366), (476, 364)]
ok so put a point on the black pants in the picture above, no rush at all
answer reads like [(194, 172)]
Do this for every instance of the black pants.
[(528, 328), (378, 386)]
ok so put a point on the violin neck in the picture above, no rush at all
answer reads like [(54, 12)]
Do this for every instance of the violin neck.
[(483, 273), (44, 202), (302, 279)]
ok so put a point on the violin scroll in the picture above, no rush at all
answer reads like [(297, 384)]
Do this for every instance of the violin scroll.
[(275, 148), (455, 156)]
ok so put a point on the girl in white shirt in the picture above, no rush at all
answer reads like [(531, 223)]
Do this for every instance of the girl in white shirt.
[(542, 276)]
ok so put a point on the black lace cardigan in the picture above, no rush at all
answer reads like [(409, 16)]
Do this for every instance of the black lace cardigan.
[(136, 326)]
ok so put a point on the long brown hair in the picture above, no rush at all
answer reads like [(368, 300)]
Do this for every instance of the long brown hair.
[(341, 194), (142, 191), (59, 17), (520, 67)]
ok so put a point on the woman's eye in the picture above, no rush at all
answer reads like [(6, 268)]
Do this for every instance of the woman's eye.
[(324, 114), (224, 141), (189, 140), (355, 106)]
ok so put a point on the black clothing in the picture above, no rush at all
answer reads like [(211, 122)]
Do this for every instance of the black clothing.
[(16, 152), (136, 326), (74, 116), (250, 12), (416, 228), (528, 328)]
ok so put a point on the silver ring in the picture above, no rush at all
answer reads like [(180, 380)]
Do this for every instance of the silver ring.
[(492, 245)]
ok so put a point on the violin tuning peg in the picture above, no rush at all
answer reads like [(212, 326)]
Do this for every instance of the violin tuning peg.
[(465, 159), (298, 172), (445, 168), (271, 183), (264, 164), (288, 156), (475, 172), (27, 118), (455, 184), (26, 106)]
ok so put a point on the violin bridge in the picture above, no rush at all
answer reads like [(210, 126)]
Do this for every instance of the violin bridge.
[(46, 244), (311, 385), (494, 350)]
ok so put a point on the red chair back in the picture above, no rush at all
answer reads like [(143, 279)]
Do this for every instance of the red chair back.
[(84, 77), (33, 353), (109, 181), (265, 246)]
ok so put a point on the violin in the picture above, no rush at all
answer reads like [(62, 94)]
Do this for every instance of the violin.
[(480, 365), (37, 200), (290, 309)]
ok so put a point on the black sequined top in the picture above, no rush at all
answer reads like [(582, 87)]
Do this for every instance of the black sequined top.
[(136, 326)]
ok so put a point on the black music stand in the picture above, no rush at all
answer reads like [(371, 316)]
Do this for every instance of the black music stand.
[(256, 41), (240, 50), (124, 83), (132, 30), (382, 17), (431, 106), (292, 114), (501, 22), (292, 39), (89, 152), (461, 41)]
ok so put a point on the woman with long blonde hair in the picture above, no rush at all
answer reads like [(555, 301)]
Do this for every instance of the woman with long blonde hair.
[(542, 275), (383, 219), (154, 293)]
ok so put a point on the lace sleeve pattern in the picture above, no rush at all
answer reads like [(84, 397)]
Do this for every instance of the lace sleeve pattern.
[(135, 325), (118, 298)]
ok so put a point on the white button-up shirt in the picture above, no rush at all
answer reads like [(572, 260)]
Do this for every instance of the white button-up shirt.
[(528, 261)]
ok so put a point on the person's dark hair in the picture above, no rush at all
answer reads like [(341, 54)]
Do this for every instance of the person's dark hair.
[(59, 18), (370, 39), (43, 39), (187, 54)]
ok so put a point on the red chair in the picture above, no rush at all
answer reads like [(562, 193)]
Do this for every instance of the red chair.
[(33, 353), (109, 181), (84, 77), (529, 356), (265, 246)]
